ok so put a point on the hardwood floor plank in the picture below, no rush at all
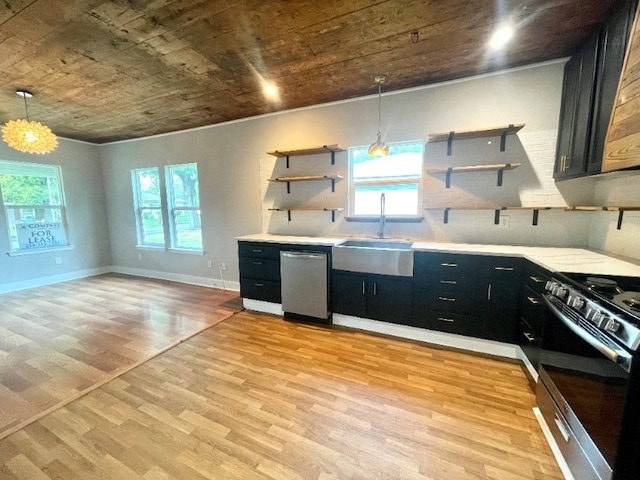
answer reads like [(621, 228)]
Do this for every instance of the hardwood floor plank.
[(60, 341), (257, 397)]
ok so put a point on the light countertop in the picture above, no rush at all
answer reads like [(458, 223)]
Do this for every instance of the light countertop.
[(554, 259)]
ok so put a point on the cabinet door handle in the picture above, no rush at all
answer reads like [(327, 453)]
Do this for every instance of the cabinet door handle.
[(258, 284), (567, 161), (257, 263), (504, 269), (375, 288), (530, 338), (489, 292), (533, 300), (443, 319), (449, 264), (536, 279), (363, 292), (448, 282), (447, 299), (257, 250), (563, 430)]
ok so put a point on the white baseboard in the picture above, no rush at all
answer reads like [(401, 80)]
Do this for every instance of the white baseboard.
[(264, 307), (564, 468), (180, 278), (50, 280), (430, 336), (174, 277)]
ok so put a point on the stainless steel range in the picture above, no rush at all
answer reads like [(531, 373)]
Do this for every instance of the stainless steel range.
[(589, 388)]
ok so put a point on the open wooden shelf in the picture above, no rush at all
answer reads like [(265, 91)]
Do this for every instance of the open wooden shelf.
[(536, 210), (309, 178), (497, 167), (481, 133), (500, 131), (308, 209), (332, 149)]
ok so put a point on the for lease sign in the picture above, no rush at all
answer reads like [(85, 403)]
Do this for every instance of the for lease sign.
[(40, 235)]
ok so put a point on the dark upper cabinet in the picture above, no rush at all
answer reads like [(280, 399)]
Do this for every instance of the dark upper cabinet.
[(575, 115), (588, 94)]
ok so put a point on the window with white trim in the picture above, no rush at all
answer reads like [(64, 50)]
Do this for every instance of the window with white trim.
[(167, 207), (397, 175), (34, 206)]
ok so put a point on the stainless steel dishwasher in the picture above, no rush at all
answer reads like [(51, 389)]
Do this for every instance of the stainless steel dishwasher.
[(304, 285)]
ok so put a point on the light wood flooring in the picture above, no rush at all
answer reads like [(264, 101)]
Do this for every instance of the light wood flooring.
[(257, 397), (60, 341)]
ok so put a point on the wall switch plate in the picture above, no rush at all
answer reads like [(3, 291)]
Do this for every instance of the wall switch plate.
[(504, 221), (209, 264), (58, 260), (224, 265)]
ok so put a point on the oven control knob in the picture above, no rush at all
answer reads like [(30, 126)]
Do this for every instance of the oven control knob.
[(559, 291), (593, 315), (549, 286), (611, 325), (575, 302)]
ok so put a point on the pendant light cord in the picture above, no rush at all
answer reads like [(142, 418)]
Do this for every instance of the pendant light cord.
[(24, 96), (379, 100)]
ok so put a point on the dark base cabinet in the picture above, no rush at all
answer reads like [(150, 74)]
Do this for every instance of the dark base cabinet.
[(473, 295), (259, 264), (378, 297)]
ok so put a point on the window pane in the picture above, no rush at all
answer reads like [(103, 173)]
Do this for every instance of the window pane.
[(33, 228), (404, 161), (184, 182), (20, 187), (148, 184), (152, 230), (33, 201), (188, 230), (400, 199)]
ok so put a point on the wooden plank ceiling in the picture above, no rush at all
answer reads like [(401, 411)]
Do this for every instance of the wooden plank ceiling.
[(111, 70)]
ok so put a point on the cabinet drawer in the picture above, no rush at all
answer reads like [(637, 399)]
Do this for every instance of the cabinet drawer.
[(533, 309), (445, 264), (470, 325), (259, 289), (263, 268), (447, 282), (503, 267), (535, 280), (444, 301), (262, 250)]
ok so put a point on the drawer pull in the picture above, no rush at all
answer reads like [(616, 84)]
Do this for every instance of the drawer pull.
[(375, 288), (505, 269), (258, 284), (449, 264), (563, 430), (257, 263), (534, 300), (257, 250), (447, 299), (363, 291), (536, 279), (530, 338), (448, 282), (443, 319)]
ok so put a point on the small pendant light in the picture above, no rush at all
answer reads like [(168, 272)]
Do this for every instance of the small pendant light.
[(379, 148), (27, 136)]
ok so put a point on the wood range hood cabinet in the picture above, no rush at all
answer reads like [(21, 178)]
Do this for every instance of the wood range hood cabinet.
[(622, 147)]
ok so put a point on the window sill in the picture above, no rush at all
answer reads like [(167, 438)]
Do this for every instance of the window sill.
[(376, 218), (150, 248), (39, 250), (186, 250)]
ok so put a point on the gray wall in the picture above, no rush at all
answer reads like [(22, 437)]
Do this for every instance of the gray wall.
[(235, 196), (86, 217)]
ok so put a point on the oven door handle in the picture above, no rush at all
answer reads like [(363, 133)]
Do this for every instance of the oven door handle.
[(619, 357)]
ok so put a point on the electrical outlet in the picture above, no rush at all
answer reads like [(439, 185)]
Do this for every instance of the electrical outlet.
[(58, 260), (209, 264), (504, 221), (224, 265), (139, 256)]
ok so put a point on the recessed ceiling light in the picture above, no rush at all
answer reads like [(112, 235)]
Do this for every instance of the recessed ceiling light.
[(270, 90), (501, 37)]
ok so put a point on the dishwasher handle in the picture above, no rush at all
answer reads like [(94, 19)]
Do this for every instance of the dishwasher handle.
[(306, 255)]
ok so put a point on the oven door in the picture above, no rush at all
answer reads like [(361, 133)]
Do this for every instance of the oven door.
[(587, 378)]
